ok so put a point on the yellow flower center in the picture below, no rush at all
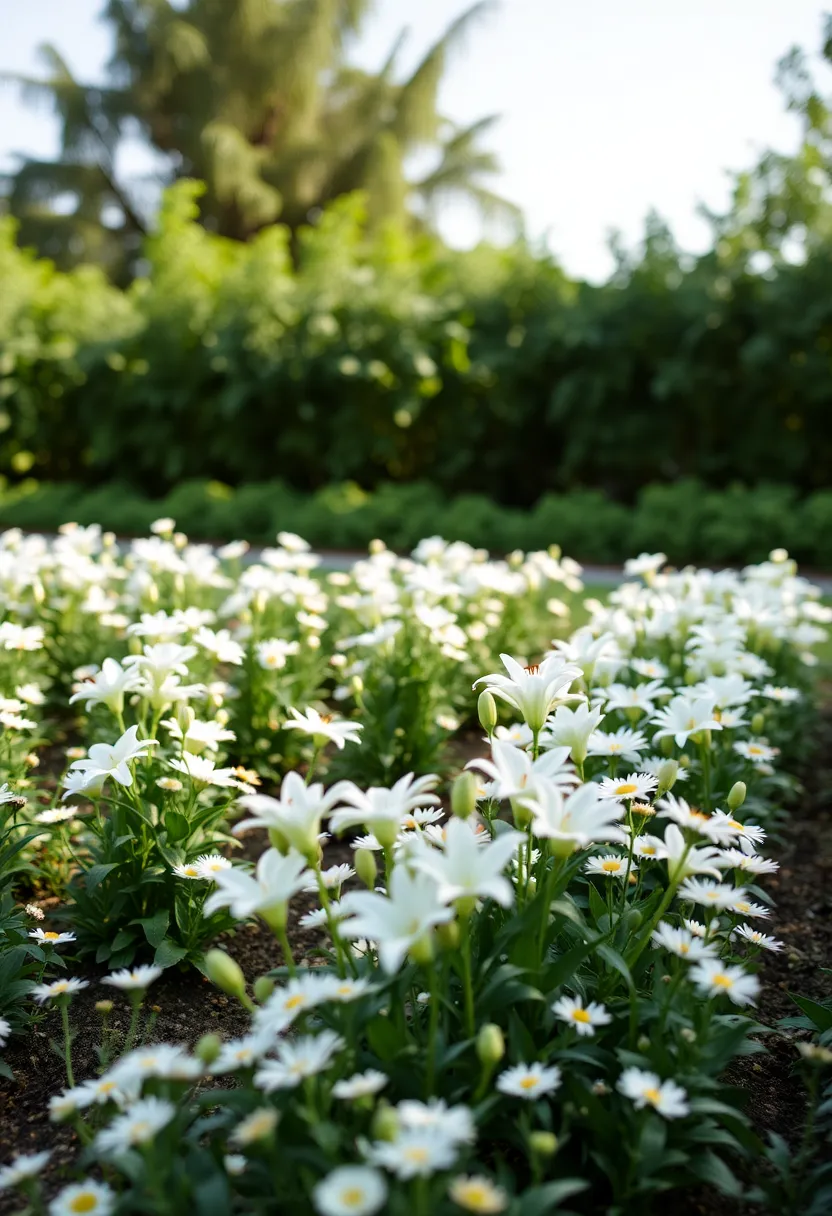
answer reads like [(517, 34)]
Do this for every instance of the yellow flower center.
[(648, 850), (684, 947), (581, 1015), (653, 1096), (610, 867), (416, 1154), (352, 1197), (140, 1131), (615, 747), (50, 936), (475, 1197), (755, 751), (721, 980), (85, 1202), (742, 906), (61, 986), (529, 1082), (344, 989), (732, 823), (295, 1001), (105, 1087), (627, 788)]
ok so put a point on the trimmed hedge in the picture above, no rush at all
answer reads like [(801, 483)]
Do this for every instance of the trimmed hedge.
[(687, 521)]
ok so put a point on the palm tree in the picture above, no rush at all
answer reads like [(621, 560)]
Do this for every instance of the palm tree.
[(258, 99)]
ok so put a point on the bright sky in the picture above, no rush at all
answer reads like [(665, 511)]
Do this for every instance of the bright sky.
[(610, 107)]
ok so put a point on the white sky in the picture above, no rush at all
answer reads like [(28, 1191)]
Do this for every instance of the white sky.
[(609, 107)]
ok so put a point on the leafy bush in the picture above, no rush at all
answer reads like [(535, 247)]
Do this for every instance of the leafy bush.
[(389, 359)]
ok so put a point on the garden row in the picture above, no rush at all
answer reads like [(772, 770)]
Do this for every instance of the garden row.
[(686, 520), (337, 357), (529, 975)]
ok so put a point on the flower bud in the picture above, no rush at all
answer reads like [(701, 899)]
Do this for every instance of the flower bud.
[(757, 723), (422, 951), (385, 1124), (736, 795), (487, 711), (667, 774), (366, 867), (104, 1007), (225, 973), (464, 795), (543, 1144), (815, 1054), (278, 841), (666, 746), (522, 814), (208, 1048), (448, 935), (263, 988), (491, 1045), (643, 1043)]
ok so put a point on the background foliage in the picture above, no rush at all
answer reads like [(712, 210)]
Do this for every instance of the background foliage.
[(390, 358), (347, 344)]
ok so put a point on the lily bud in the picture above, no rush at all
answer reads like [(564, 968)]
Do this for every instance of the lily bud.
[(422, 951), (464, 795), (487, 711), (263, 988), (278, 841), (543, 1144), (667, 774), (448, 935), (208, 1048), (736, 795), (385, 1125), (366, 867), (225, 973), (491, 1045)]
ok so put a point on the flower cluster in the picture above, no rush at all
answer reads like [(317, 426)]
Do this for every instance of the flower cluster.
[(563, 946)]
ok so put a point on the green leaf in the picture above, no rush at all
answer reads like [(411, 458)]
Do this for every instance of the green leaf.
[(177, 825), (710, 1168), (614, 960), (819, 1015), (97, 874), (155, 927), (542, 1199), (169, 952), (383, 1038)]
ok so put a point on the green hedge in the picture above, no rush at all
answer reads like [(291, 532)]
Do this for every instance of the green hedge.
[(394, 360), (687, 521)]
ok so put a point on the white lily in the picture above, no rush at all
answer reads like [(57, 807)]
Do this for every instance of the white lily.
[(534, 691)]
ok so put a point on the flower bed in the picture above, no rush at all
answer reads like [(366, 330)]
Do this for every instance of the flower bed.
[(515, 984)]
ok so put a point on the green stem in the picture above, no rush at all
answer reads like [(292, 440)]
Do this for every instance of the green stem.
[(433, 1026), (467, 980), (134, 1023), (288, 957), (70, 1076)]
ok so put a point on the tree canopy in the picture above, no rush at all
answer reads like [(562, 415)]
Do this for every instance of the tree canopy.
[(259, 100)]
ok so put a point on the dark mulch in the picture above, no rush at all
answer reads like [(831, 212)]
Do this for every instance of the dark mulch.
[(190, 1006)]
